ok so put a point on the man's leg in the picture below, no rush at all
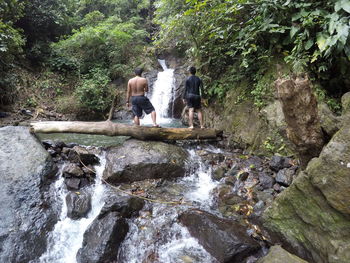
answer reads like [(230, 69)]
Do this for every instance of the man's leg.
[(137, 120), (190, 117), (200, 118), (154, 118)]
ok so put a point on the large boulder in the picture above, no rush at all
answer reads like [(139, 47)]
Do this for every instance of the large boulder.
[(102, 239), (139, 160), (313, 214), (278, 255), (28, 212), (226, 240)]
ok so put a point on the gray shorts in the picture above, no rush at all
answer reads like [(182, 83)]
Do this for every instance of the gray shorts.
[(139, 104)]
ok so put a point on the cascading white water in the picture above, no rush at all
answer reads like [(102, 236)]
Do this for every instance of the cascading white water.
[(162, 95), (161, 235), (67, 236)]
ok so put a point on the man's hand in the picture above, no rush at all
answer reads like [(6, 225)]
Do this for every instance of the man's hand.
[(128, 104)]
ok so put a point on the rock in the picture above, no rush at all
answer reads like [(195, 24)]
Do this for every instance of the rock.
[(28, 211), (345, 101), (278, 162), (72, 169), (102, 239), (78, 204), (218, 173), (278, 255), (230, 180), (140, 160), (125, 206), (72, 183), (300, 111), (266, 181), (79, 154), (224, 239), (285, 176), (329, 122), (243, 176), (312, 215)]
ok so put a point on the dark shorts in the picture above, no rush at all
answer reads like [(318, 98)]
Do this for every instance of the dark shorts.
[(193, 101), (140, 103)]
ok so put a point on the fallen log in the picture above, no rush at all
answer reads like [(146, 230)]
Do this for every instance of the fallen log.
[(117, 129)]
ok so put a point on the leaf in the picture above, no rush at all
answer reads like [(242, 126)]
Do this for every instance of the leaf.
[(293, 31), (345, 4), (309, 44), (321, 42)]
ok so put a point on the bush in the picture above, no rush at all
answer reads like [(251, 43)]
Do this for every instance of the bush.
[(94, 92)]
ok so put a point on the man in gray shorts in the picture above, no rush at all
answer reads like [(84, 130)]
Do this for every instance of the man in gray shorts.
[(137, 87)]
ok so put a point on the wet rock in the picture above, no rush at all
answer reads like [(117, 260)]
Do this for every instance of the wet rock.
[(78, 204), (277, 255), (102, 239), (28, 210), (278, 162), (125, 206), (139, 160), (230, 180), (277, 188), (234, 170), (266, 181), (72, 183), (243, 176), (79, 154), (285, 176), (218, 173), (72, 169), (225, 240)]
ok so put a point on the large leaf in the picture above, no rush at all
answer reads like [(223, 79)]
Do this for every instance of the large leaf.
[(342, 4), (321, 41)]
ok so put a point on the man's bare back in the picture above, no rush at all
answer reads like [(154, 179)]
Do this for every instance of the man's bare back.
[(137, 86)]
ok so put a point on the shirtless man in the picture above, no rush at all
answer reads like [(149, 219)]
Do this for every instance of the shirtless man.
[(137, 87)]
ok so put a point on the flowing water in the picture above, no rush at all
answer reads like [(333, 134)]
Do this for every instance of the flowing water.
[(162, 96), (156, 235), (67, 236)]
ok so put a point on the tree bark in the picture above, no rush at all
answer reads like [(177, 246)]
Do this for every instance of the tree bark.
[(116, 129)]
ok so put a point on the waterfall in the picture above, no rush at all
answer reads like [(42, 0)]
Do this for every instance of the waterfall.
[(67, 236), (162, 95)]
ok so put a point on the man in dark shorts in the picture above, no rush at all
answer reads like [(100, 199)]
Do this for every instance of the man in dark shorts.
[(192, 96), (137, 87)]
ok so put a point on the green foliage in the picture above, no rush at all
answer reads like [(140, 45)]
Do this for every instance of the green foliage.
[(313, 36), (94, 92), (110, 44)]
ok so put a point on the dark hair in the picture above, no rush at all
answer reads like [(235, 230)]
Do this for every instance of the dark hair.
[(192, 70), (138, 71)]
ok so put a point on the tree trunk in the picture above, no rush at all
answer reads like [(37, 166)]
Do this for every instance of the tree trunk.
[(117, 129)]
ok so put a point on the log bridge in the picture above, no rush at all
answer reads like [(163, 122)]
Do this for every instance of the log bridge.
[(117, 129)]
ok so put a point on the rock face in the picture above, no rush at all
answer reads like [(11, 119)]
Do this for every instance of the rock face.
[(102, 239), (226, 240), (299, 106), (139, 160), (104, 236), (313, 214), (278, 255), (28, 213)]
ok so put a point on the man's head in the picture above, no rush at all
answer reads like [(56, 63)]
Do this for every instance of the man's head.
[(192, 70), (138, 72)]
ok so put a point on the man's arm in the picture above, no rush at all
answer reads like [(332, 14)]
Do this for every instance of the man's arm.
[(128, 94), (145, 89), (185, 92)]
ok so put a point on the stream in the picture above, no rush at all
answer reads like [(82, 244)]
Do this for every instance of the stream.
[(156, 235)]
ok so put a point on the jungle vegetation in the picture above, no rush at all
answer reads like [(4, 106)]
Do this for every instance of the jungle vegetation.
[(230, 41)]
